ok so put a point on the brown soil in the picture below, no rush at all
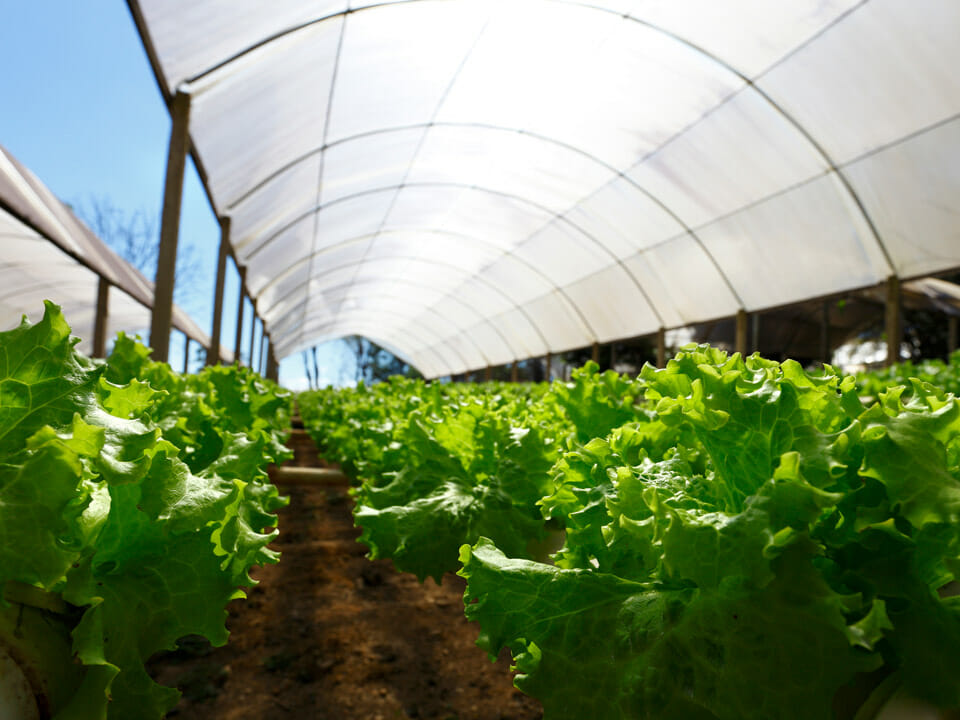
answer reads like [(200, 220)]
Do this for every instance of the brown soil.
[(330, 634)]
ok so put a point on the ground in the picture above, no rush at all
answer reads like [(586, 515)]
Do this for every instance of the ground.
[(330, 634)]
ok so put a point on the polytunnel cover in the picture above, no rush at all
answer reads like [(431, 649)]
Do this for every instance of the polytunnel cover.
[(470, 182), (49, 254)]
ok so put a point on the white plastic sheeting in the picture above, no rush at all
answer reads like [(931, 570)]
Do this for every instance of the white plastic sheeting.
[(46, 253), (470, 182)]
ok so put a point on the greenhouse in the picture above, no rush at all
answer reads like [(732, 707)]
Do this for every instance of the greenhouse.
[(684, 225)]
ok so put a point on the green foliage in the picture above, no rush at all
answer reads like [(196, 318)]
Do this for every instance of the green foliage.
[(136, 494), (742, 539), (945, 376), (790, 542), (440, 465)]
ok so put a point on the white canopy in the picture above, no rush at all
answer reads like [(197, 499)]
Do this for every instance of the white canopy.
[(48, 254), (470, 182)]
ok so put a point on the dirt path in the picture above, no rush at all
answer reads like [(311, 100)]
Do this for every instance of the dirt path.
[(331, 635)]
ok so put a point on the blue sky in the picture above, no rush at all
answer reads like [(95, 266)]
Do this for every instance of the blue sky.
[(79, 106)]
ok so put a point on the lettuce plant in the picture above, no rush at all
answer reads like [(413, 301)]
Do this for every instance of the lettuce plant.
[(789, 552), (115, 524)]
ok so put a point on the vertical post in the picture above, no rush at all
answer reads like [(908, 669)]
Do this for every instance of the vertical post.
[(613, 356), (260, 362), (825, 357), (755, 332), (186, 354), (100, 322), (273, 367), (253, 332), (514, 372), (951, 334), (488, 374), (893, 323), (740, 342), (662, 347), (239, 336), (162, 317), (213, 352), (549, 360), (595, 355)]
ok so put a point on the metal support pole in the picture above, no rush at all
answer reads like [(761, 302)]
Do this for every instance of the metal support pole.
[(100, 322), (186, 354), (825, 333), (595, 355), (162, 317), (213, 352), (740, 342), (951, 334), (549, 362), (253, 332), (488, 374), (273, 367), (662, 347), (894, 325), (755, 332), (260, 361), (239, 336), (514, 372)]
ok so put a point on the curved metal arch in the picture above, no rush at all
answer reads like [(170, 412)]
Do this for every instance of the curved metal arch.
[(819, 149), (431, 339), (423, 126), (460, 236), (370, 331), (296, 346), (305, 299), (356, 239), (345, 318), (404, 281), (427, 261), (432, 310), (397, 299), (510, 196), (779, 109), (616, 172)]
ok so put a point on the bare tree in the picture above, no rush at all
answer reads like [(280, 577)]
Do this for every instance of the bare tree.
[(134, 237)]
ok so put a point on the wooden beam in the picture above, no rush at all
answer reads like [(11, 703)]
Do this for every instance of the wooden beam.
[(488, 374), (740, 341), (273, 367), (213, 352), (825, 355), (253, 332), (893, 323), (514, 372), (238, 338), (162, 316), (260, 361), (288, 475), (100, 321), (662, 347)]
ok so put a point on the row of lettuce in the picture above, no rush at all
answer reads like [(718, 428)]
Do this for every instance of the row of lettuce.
[(133, 502), (735, 538)]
